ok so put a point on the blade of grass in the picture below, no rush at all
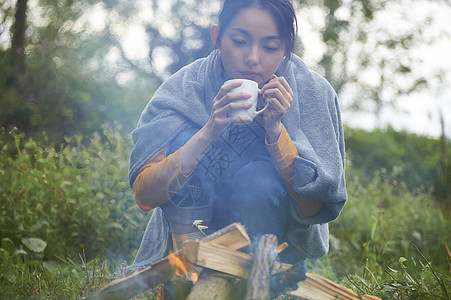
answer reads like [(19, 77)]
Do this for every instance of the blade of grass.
[(440, 280)]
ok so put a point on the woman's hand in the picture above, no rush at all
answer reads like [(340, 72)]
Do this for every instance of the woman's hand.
[(223, 104), (279, 96)]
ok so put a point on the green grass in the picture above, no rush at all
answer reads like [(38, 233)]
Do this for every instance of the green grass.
[(390, 241), (25, 276), (69, 225)]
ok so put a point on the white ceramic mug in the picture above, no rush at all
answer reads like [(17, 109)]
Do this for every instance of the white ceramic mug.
[(248, 87)]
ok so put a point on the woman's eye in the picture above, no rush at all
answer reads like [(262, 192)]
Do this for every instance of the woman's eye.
[(271, 49), (239, 42)]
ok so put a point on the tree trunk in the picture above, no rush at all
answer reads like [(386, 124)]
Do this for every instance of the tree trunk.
[(18, 40), (444, 180)]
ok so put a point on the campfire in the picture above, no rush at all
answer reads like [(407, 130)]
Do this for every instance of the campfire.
[(181, 267), (220, 257)]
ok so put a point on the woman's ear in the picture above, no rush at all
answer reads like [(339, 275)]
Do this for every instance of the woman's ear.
[(215, 33)]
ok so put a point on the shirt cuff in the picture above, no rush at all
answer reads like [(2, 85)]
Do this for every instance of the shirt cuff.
[(283, 152)]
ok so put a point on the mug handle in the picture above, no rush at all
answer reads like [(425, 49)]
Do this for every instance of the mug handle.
[(262, 110)]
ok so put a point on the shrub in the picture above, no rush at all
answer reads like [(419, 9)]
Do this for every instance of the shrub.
[(420, 160), (74, 199)]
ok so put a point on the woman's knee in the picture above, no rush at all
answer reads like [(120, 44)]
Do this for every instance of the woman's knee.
[(256, 182), (259, 199)]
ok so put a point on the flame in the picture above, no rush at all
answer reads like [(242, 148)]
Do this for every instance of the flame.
[(177, 264), (194, 277), (160, 293), (181, 267)]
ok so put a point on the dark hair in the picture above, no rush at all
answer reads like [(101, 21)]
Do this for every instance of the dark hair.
[(281, 10)]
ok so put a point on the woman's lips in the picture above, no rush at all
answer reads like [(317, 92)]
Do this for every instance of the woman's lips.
[(249, 75)]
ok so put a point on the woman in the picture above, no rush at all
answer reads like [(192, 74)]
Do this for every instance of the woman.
[(282, 173)]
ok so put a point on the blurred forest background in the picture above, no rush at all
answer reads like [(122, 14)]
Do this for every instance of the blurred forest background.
[(75, 76)]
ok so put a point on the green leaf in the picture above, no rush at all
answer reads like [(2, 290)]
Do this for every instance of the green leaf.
[(393, 270), (197, 222), (402, 260), (417, 235), (10, 276), (51, 265), (115, 225), (34, 244), (8, 245), (19, 252), (373, 230), (38, 226)]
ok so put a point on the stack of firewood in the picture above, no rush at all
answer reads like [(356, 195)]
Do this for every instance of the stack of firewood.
[(219, 252)]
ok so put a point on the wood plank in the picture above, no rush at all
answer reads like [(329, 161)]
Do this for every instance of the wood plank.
[(282, 247), (217, 258), (223, 259), (234, 237)]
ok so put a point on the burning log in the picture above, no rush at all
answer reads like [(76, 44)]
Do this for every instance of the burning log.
[(132, 285)]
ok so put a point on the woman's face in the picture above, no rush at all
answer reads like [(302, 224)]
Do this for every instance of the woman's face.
[(251, 46)]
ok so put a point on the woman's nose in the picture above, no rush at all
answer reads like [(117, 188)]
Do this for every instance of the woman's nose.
[(252, 57)]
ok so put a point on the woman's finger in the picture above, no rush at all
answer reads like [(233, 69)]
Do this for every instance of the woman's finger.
[(286, 86), (278, 90), (275, 105), (226, 88), (278, 95)]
